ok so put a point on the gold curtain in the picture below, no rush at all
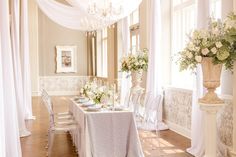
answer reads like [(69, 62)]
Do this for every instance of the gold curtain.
[(91, 57)]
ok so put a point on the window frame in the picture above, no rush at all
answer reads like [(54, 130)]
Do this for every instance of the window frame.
[(134, 31)]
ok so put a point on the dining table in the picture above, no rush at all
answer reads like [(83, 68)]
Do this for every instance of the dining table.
[(105, 132)]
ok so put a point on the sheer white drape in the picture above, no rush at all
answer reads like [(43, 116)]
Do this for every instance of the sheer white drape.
[(67, 16), (154, 73), (15, 41), (197, 132), (76, 16), (125, 81), (25, 58), (10, 145), (2, 115)]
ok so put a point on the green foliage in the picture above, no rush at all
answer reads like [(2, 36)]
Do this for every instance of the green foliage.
[(217, 41)]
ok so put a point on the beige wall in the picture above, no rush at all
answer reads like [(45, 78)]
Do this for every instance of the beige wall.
[(144, 24), (51, 35), (33, 46)]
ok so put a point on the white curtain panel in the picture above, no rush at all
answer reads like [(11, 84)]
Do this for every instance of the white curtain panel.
[(197, 131), (2, 115), (15, 41), (9, 124), (125, 81), (154, 73), (67, 16), (25, 58)]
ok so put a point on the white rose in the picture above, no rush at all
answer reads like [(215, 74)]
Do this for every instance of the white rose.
[(205, 51), (198, 58), (215, 31), (189, 55), (191, 46), (214, 50), (197, 48), (218, 44)]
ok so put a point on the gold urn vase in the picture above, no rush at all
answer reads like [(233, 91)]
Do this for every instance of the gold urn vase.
[(211, 80)]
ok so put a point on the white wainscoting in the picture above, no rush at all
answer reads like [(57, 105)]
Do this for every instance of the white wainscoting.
[(62, 85), (177, 112)]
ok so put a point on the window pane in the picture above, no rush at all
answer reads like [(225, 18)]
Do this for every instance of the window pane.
[(104, 61), (104, 33), (134, 17), (183, 22), (102, 53), (133, 39), (138, 42), (99, 53)]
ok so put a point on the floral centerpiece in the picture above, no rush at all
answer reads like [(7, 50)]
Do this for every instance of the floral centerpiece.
[(212, 48), (101, 95), (88, 88), (98, 94), (136, 64)]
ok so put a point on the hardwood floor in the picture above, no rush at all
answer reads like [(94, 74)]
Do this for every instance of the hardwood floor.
[(169, 144)]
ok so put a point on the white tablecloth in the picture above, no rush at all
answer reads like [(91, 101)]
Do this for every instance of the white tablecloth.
[(105, 133)]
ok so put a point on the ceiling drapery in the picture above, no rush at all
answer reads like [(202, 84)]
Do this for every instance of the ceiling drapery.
[(76, 15)]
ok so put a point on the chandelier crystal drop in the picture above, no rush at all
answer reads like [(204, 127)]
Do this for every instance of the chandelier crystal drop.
[(106, 12)]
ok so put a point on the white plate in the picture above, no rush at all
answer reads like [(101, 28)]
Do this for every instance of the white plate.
[(83, 100), (94, 108), (86, 104), (119, 108), (75, 98)]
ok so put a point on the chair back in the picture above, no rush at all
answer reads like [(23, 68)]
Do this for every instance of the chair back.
[(48, 103), (134, 102), (46, 100), (145, 98), (152, 110)]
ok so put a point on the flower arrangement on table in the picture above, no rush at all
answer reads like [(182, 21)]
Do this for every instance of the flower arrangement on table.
[(87, 88), (98, 94), (135, 62), (217, 42)]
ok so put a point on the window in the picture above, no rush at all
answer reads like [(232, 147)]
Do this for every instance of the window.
[(134, 31), (183, 22), (102, 53)]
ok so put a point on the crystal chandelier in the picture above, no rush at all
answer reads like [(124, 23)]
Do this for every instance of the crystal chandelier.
[(106, 12)]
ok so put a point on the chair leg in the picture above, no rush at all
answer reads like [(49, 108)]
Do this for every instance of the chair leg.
[(50, 143)]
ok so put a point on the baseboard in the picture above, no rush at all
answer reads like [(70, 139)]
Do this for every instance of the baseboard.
[(179, 129), (59, 93)]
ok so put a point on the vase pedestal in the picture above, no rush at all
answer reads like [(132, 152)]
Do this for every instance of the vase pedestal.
[(210, 111)]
